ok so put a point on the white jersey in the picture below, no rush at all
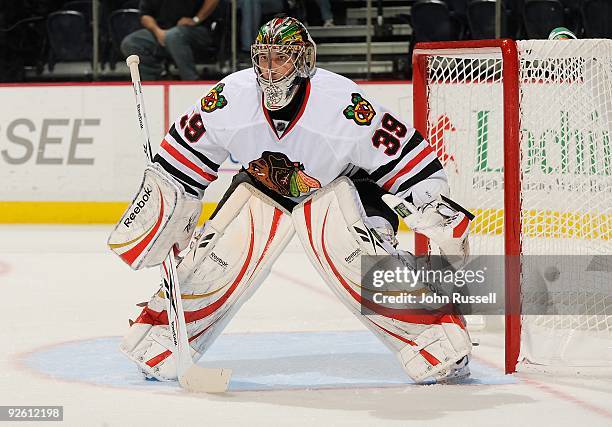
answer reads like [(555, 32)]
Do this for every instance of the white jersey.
[(335, 131)]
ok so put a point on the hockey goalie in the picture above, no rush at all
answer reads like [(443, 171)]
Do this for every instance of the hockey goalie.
[(317, 158)]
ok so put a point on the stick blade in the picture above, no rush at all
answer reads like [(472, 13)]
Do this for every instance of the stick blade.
[(205, 380)]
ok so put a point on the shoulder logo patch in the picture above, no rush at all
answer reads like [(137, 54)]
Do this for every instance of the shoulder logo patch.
[(361, 111), (214, 100)]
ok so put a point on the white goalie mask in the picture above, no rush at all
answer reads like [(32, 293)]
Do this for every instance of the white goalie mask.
[(283, 55)]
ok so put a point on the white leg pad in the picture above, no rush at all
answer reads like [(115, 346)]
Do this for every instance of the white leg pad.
[(220, 272), (334, 231), (435, 350)]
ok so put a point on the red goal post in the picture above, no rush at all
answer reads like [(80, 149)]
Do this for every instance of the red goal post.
[(512, 224), (509, 88)]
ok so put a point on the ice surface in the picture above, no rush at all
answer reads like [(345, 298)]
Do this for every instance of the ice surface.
[(299, 357), (260, 361)]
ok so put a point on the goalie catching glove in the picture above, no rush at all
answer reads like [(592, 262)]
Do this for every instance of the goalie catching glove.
[(443, 221), (161, 216)]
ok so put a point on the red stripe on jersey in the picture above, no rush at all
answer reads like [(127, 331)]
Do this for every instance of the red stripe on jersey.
[(186, 162), (408, 167)]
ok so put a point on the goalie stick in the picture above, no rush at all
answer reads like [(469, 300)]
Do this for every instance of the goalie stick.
[(191, 376)]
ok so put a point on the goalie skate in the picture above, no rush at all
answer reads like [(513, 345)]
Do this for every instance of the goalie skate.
[(455, 373)]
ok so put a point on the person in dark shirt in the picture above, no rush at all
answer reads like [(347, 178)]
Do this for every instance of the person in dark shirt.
[(252, 12), (171, 27)]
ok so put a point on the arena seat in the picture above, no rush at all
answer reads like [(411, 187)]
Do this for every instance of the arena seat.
[(542, 16), (596, 20), (69, 37), (121, 23), (481, 18), (432, 21)]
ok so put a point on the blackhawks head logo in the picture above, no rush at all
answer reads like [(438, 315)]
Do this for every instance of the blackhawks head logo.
[(361, 111), (281, 175), (214, 99)]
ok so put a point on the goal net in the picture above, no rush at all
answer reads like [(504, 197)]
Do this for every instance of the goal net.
[(523, 129)]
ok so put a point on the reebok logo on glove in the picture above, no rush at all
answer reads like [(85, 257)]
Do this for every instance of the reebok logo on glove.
[(141, 204)]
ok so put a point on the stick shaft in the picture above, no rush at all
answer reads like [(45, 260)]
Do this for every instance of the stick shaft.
[(176, 316), (174, 304), (143, 124)]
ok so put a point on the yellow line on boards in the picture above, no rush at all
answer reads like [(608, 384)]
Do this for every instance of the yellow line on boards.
[(488, 221), (71, 212), (79, 212)]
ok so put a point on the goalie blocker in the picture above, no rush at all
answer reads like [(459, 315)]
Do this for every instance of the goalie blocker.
[(161, 215)]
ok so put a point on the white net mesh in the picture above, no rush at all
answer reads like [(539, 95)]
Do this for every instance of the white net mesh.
[(566, 179), (566, 108)]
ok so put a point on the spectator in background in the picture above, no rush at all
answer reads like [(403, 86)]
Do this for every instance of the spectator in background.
[(326, 13), (252, 12), (171, 27)]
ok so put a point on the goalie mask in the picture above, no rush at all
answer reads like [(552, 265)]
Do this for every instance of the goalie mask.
[(283, 56)]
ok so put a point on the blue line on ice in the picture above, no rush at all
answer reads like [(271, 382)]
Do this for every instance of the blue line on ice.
[(260, 361)]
